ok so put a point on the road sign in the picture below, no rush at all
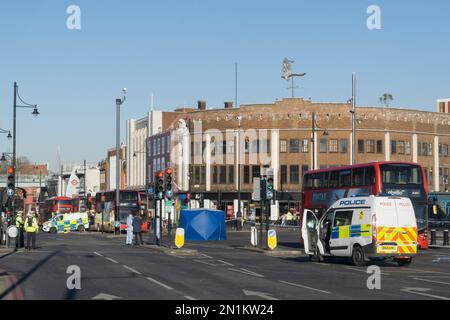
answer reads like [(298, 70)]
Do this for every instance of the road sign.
[(12, 232), (272, 239), (256, 195), (254, 237), (10, 192), (179, 237), (151, 190)]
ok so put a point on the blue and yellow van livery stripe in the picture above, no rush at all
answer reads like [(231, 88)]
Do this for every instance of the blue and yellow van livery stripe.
[(350, 231), (70, 225)]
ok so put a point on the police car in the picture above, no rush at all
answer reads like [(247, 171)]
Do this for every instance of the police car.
[(66, 222), (363, 228)]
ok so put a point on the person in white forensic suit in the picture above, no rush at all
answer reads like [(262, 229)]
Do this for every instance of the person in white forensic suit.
[(129, 240)]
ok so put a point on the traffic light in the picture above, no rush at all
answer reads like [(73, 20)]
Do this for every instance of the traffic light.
[(11, 181), (169, 189), (269, 187), (159, 184)]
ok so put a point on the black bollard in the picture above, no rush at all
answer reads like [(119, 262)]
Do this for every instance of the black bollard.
[(433, 237), (445, 241)]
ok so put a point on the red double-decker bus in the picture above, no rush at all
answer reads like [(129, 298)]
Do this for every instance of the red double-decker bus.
[(321, 188), (54, 205), (130, 201)]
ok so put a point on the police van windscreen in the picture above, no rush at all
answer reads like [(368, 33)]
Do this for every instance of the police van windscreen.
[(401, 174)]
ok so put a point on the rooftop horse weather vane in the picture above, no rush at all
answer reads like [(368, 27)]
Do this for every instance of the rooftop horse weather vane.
[(287, 73)]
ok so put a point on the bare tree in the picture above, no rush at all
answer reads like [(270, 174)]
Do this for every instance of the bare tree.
[(386, 98)]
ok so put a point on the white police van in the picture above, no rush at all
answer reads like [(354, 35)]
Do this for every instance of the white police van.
[(362, 228)]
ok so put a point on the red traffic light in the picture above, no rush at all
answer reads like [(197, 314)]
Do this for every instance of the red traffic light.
[(10, 170), (160, 174), (169, 171)]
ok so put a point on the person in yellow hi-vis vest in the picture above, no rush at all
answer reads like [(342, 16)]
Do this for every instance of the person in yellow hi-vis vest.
[(19, 224), (31, 229)]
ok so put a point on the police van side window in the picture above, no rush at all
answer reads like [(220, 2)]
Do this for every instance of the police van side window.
[(343, 218)]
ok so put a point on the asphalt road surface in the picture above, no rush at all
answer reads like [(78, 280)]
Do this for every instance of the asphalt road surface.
[(214, 270)]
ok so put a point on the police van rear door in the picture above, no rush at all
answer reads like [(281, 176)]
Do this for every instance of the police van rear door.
[(309, 231)]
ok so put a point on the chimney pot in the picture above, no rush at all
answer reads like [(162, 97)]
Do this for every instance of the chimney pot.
[(201, 104), (228, 104)]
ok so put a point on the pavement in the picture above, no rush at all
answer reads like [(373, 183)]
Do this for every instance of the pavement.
[(225, 270)]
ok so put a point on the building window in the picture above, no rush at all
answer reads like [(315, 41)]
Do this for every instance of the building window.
[(443, 150), (214, 174), (231, 174), (283, 172), (293, 147), (407, 147), (265, 146), (429, 149), (401, 147), (255, 146), (230, 147), (294, 174), (283, 146), (305, 168), (370, 146), (246, 145), (246, 174), (196, 175), (379, 146), (333, 146), (223, 175), (304, 146), (393, 147), (343, 145), (323, 145), (360, 146), (203, 175), (256, 171), (163, 145)]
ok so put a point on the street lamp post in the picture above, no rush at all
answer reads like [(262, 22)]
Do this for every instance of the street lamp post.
[(239, 118), (119, 102), (34, 113)]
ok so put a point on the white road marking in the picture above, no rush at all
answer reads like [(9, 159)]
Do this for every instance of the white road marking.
[(205, 255), (131, 269), (100, 255), (263, 295), (421, 292), (304, 287), (426, 271), (364, 270), (434, 281), (112, 260), (245, 271), (227, 263), (160, 283), (190, 298)]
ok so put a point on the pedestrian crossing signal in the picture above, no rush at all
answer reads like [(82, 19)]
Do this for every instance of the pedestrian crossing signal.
[(11, 179), (169, 191)]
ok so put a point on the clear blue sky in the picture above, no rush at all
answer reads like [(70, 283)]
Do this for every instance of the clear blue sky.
[(185, 50)]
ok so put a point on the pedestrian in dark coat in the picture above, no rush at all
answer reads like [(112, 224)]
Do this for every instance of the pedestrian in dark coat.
[(137, 222)]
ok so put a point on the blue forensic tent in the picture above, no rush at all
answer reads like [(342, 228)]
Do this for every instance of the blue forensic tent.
[(203, 224)]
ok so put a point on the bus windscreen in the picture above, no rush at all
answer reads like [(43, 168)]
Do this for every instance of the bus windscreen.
[(401, 174)]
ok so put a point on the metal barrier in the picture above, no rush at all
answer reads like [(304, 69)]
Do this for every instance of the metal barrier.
[(445, 240), (433, 237)]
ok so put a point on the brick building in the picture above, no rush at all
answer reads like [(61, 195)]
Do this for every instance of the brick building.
[(278, 135)]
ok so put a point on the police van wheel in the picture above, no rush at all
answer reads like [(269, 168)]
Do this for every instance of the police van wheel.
[(358, 256), (80, 228), (404, 262), (53, 230)]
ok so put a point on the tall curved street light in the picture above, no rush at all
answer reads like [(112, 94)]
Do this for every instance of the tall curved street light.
[(35, 113), (119, 102)]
